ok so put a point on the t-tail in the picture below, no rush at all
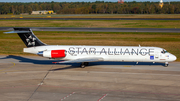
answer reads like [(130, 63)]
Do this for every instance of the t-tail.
[(27, 36)]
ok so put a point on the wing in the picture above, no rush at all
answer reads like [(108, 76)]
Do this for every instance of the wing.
[(95, 59)]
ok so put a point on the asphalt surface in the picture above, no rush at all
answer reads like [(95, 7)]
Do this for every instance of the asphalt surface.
[(33, 78), (90, 18), (176, 30)]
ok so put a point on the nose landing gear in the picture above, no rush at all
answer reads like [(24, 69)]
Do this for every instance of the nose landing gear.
[(166, 64)]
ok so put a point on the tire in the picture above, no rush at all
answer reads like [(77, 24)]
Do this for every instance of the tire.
[(86, 63), (82, 65), (166, 65)]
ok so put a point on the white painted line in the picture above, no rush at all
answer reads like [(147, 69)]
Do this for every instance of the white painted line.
[(40, 84), (102, 97), (67, 96)]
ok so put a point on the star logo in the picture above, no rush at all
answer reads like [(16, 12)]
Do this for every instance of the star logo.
[(31, 40)]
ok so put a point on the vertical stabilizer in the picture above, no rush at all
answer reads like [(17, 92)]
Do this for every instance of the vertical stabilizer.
[(27, 36)]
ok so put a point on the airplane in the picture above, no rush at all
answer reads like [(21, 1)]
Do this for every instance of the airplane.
[(85, 54)]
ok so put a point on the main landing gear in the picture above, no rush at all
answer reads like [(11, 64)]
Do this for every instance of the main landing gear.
[(166, 64), (84, 64)]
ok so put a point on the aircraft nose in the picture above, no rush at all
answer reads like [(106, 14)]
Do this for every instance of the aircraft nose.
[(173, 57)]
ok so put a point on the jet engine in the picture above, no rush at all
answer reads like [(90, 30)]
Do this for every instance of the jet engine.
[(53, 53)]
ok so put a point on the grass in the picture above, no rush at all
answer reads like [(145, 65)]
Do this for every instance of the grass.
[(11, 44), (95, 16), (93, 23)]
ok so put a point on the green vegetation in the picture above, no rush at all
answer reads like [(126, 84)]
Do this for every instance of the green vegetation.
[(12, 44), (98, 7), (93, 23), (93, 16)]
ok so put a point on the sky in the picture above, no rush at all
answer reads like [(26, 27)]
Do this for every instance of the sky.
[(81, 0)]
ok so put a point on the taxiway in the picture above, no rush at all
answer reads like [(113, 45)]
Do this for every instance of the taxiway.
[(33, 78), (44, 18), (169, 30)]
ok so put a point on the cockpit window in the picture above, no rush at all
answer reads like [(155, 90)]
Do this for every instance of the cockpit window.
[(163, 51)]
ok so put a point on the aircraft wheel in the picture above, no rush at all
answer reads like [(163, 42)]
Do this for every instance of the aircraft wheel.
[(86, 63), (166, 64), (83, 65)]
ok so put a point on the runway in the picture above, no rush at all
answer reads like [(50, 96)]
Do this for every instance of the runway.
[(33, 78), (175, 30), (44, 18)]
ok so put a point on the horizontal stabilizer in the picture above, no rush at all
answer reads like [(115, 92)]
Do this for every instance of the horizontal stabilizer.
[(17, 32)]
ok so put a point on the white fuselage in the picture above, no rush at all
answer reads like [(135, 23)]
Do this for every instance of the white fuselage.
[(109, 53)]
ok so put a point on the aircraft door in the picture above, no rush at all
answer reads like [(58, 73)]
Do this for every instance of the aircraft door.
[(156, 55), (163, 55)]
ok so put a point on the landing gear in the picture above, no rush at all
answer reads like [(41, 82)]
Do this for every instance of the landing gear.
[(84, 64), (166, 64)]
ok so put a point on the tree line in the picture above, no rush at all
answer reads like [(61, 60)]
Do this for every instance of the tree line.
[(98, 7)]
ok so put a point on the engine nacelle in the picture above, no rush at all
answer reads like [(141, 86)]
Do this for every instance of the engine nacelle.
[(53, 53)]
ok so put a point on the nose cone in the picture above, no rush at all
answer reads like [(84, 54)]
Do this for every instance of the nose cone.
[(172, 57)]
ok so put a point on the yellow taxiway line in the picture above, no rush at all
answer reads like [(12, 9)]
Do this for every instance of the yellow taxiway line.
[(2, 70)]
